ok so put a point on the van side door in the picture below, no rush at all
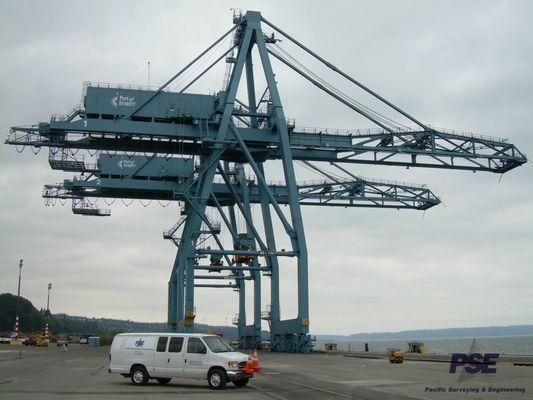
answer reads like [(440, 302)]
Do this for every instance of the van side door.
[(159, 369), (175, 361), (196, 359)]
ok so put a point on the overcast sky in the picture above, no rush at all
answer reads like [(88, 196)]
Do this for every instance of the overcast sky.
[(456, 64)]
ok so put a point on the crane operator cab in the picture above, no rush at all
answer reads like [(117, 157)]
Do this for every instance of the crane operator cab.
[(244, 242)]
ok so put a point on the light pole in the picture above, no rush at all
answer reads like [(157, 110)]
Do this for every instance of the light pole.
[(47, 312), (18, 301), (48, 299)]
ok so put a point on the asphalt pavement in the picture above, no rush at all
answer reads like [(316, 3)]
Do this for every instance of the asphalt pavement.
[(81, 373)]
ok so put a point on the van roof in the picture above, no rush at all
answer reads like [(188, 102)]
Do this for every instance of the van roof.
[(164, 334)]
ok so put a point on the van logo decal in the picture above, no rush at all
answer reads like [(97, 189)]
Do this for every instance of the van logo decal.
[(139, 343)]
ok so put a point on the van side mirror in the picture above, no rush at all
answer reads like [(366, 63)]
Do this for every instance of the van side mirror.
[(204, 351)]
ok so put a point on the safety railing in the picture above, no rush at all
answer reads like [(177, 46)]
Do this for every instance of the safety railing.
[(169, 233), (128, 86), (267, 314), (80, 178), (345, 132), (215, 225), (470, 134), (57, 191), (84, 207), (77, 109), (380, 131), (26, 137), (351, 180)]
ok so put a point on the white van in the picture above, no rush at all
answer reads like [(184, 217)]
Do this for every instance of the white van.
[(163, 356)]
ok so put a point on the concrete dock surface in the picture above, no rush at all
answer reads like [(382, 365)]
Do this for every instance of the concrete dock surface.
[(445, 358), (81, 373)]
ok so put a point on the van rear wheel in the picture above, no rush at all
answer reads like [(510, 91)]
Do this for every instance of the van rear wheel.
[(162, 381), (217, 379), (139, 375)]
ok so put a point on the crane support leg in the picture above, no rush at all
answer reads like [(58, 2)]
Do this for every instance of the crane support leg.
[(175, 298), (272, 264), (241, 316), (292, 334), (191, 231), (250, 335)]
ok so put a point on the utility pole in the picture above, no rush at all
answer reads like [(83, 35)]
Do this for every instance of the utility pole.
[(18, 301)]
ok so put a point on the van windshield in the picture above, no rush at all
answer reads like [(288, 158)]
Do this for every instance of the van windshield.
[(216, 344)]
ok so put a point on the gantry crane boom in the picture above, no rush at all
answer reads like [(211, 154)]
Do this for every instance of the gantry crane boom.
[(438, 148), (349, 192)]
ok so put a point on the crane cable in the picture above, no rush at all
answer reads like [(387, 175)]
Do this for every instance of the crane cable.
[(337, 92), (291, 60), (282, 53), (209, 56), (323, 174)]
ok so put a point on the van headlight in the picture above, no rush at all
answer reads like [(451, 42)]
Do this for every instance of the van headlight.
[(233, 364)]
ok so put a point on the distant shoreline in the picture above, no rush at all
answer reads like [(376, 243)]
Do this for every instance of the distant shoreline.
[(348, 339), (443, 333)]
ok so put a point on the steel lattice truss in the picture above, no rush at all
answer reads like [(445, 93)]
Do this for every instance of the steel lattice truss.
[(154, 144)]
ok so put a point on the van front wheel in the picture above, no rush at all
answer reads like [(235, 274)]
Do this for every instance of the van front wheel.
[(217, 379), (139, 375)]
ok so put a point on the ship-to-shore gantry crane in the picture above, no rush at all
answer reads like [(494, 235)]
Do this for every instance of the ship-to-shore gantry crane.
[(157, 144)]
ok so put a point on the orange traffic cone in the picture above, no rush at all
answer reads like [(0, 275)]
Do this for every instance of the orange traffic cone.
[(255, 361), (249, 367)]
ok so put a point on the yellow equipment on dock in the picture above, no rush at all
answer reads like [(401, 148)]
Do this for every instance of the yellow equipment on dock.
[(395, 356), (416, 347)]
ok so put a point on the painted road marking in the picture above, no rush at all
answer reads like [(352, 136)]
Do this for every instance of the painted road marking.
[(373, 382), (319, 389), (98, 369), (271, 394)]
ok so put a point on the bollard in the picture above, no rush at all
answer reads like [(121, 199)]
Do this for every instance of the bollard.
[(366, 347)]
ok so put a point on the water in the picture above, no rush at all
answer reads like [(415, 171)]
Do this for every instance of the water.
[(509, 345)]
